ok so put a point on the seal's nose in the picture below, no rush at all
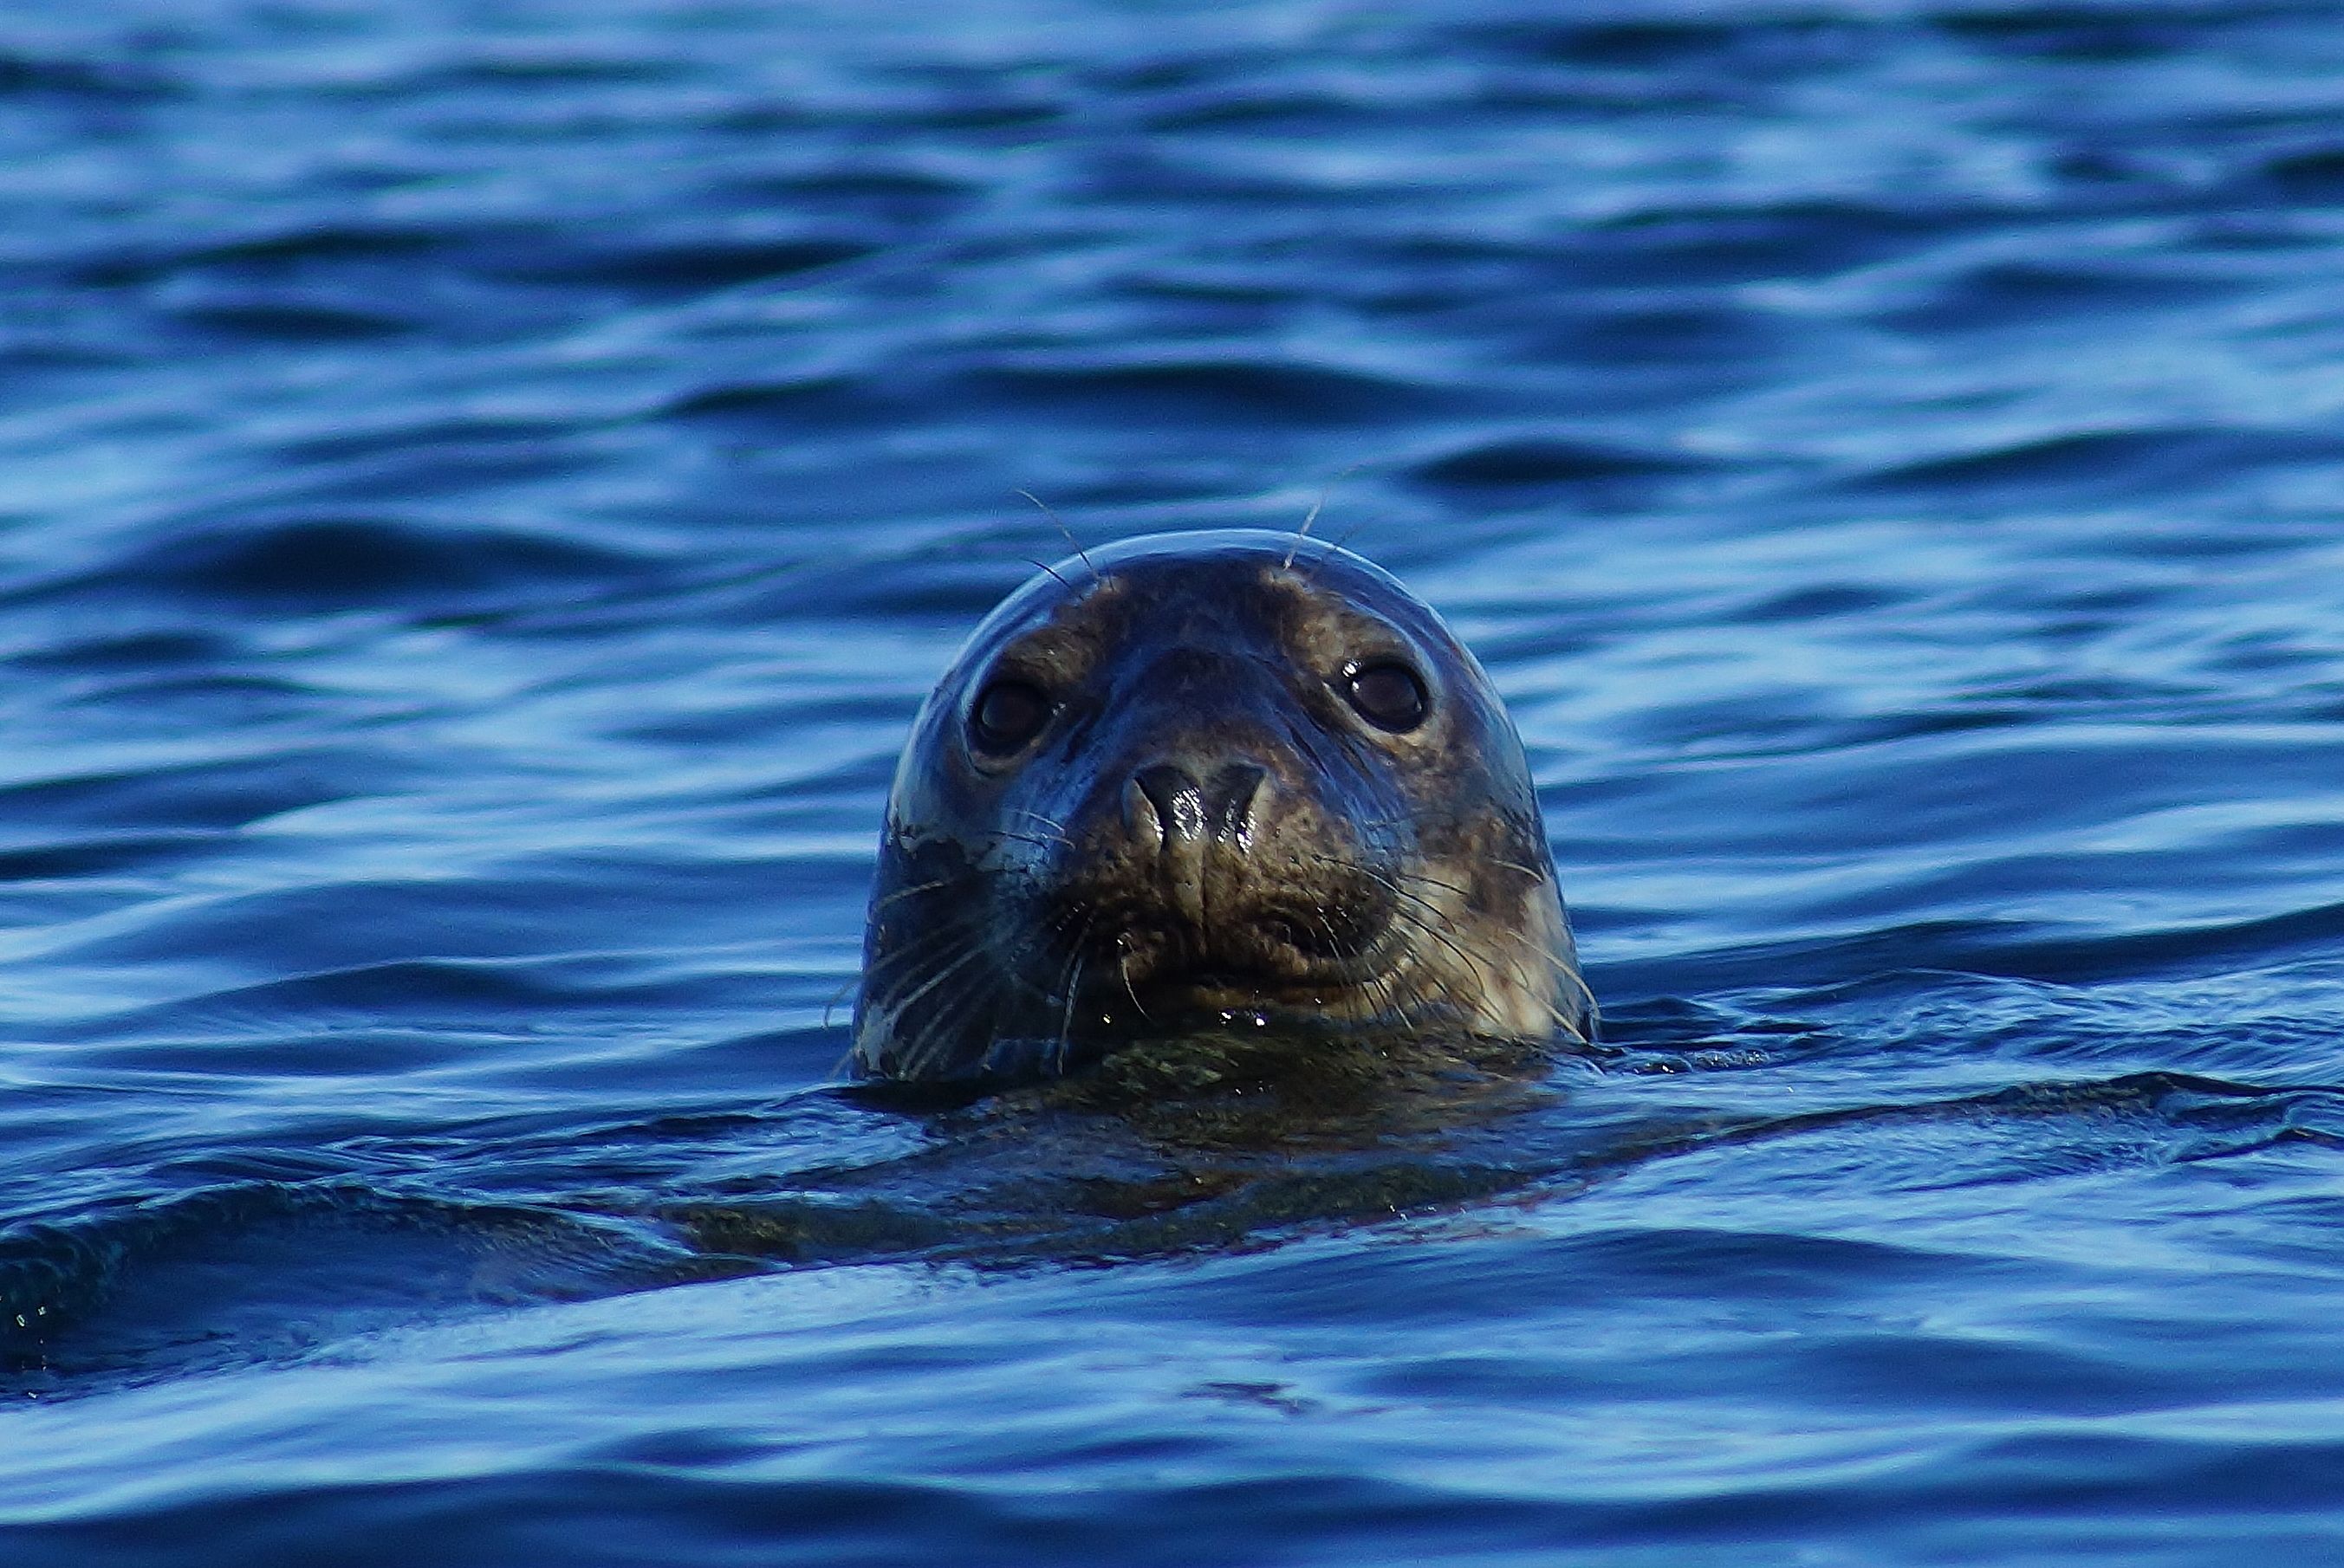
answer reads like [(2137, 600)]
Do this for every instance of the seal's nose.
[(1166, 805), (1167, 811)]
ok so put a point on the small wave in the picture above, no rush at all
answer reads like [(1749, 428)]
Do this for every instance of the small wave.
[(35, 76), (2016, 948), (1231, 389), (1251, 108), (2031, 294), (447, 992), (265, 1271), (2089, 32), (140, 651), (98, 856), (1535, 461), (2118, 461), (2308, 173), (296, 321), (233, 792), (1825, 601), (1686, 340), (544, 68), (876, 188), (1781, 42), (344, 562), (785, 400), (272, 253), (1788, 238), (693, 264)]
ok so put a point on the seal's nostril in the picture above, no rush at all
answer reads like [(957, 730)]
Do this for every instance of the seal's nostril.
[(1235, 790), (1165, 804), (1166, 793)]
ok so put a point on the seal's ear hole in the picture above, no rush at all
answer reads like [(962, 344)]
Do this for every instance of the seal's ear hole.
[(1388, 695), (1006, 715)]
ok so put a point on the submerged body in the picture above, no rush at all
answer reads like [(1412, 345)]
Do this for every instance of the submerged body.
[(1204, 780)]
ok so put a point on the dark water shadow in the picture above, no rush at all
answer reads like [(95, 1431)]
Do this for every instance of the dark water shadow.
[(1208, 1144), (1217, 1145)]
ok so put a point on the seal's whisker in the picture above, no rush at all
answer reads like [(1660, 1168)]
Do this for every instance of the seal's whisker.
[(1380, 987), (1384, 822), (1578, 983), (902, 893), (1568, 971), (1432, 881), (1317, 506), (1386, 880), (901, 1002), (1411, 873), (1056, 927), (947, 1027), (933, 1041), (1425, 917), (1381, 1007), (1424, 927), (1070, 972), (1074, 988), (1080, 554), (835, 998), (926, 946), (1124, 964), (1335, 942), (1516, 960), (1407, 1002), (1058, 843), (1336, 547), (1041, 942)]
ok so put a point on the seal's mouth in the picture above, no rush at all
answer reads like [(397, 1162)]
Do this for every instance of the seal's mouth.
[(1136, 973), (1205, 1000), (1207, 995), (1267, 946)]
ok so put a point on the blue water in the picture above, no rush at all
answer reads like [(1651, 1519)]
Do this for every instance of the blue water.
[(485, 483)]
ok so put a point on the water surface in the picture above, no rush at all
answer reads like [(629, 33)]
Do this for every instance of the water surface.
[(483, 487)]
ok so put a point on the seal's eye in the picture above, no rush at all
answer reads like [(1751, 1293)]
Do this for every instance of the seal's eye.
[(1388, 695), (1008, 713)]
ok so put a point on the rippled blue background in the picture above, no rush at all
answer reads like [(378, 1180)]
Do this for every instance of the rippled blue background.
[(485, 484)]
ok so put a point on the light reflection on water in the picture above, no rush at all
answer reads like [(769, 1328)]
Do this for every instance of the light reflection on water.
[(485, 493)]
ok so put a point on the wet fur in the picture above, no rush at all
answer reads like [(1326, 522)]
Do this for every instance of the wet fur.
[(1026, 919)]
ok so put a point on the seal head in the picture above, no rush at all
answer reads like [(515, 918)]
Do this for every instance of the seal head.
[(1229, 779)]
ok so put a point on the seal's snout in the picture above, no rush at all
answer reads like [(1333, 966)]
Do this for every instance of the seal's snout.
[(1183, 821), (1165, 804)]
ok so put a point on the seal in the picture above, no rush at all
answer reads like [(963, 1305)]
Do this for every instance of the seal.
[(1204, 781)]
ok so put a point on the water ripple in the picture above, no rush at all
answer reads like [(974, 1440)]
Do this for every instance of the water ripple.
[(484, 489)]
